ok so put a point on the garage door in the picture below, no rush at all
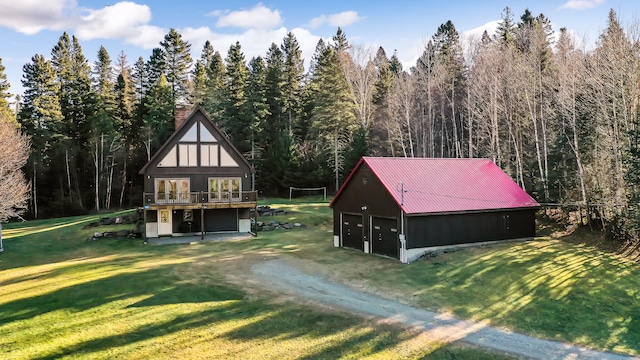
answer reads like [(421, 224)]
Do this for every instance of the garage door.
[(384, 237), (352, 231)]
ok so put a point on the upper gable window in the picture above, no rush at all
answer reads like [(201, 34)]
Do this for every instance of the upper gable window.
[(188, 155), (170, 160), (191, 135), (226, 159), (209, 155), (205, 135)]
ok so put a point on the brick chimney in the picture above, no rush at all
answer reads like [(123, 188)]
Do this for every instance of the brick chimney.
[(181, 113)]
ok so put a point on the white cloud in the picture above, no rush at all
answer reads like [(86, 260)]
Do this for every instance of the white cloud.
[(145, 36), (32, 16), (475, 34), (254, 42), (344, 18), (124, 20), (259, 17), (581, 4)]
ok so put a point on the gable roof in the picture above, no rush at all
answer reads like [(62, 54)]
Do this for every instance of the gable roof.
[(439, 185), (185, 127)]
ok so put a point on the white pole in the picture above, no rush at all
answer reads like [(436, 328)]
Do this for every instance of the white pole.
[(1, 248), (290, 190)]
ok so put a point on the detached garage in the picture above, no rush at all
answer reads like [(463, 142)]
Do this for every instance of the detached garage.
[(404, 207)]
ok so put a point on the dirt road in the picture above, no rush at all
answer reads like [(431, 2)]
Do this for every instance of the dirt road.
[(287, 277)]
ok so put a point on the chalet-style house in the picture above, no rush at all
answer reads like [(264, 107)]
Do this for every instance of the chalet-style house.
[(405, 207), (197, 182)]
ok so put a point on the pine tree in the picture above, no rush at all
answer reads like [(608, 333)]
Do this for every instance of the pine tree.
[(154, 68), (199, 82), (200, 76), (104, 127), (4, 94), (139, 78), (235, 122), (293, 76), (340, 42), (257, 107), (257, 110), (277, 122), (40, 118), (105, 96), (506, 27), (332, 116), (177, 55), (214, 98), (77, 102), (277, 141), (129, 125), (158, 120)]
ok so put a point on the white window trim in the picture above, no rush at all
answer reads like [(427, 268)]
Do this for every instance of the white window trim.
[(178, 199), (218, 196)]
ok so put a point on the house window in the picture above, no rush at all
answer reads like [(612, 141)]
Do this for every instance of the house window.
[(225, 189), (209, 155), (188, 155), (170, 191)]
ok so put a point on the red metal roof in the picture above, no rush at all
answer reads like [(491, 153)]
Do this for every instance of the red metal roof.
[(441, 185)]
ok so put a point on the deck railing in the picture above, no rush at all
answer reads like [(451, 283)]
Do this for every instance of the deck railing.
[(201, 197)]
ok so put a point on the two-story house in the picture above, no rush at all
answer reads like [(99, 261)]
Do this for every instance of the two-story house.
[(197, 183)]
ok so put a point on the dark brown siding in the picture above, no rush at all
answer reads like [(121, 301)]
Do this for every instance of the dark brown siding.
[(450, 229), (371, 195)]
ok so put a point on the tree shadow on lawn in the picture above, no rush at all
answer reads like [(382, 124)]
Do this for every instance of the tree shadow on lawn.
[(263, 321), (162, 287), (551, 289)]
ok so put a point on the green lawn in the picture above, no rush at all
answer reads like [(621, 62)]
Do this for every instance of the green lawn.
[(559, 289), (64, 297)]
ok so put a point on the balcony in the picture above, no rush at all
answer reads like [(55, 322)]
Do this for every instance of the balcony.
[(233, 199)]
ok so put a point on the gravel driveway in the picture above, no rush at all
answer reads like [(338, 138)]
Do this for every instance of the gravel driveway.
[(281, 275)]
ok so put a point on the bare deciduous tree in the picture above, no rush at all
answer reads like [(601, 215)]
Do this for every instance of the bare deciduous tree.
[(14, 153)]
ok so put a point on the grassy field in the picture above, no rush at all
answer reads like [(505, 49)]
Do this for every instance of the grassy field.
[(62, 296)]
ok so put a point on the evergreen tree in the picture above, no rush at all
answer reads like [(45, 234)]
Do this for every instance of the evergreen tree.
[(4, 93), (40, 118), (199, 84), (340, 42), (139, 78), (177, 56), (130, 124), (332, 116), (77, 102), (214, 100), (257, 110), (207, 54), (235, 122), (277, 122), (105, 96), (506, 28), (257, 107), (154, 68), (293, 76), (158, 119), (395, 65)]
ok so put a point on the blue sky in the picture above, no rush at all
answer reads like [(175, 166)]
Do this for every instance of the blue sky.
[(30, 27)]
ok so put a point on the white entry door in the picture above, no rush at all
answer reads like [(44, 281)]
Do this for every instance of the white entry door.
[(164, 222)]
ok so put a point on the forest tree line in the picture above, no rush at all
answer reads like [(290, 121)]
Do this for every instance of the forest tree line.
[(560, 120)]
